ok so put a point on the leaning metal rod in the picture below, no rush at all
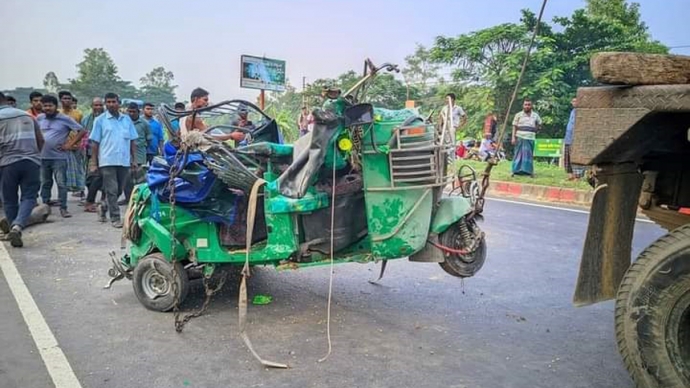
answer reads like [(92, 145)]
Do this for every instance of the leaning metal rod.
[(493, 160), (371, 74), (448, 122)]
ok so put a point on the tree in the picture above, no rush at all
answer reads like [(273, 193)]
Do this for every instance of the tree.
[(97, 75), (385, 91), (388, 92), (620, 11), (51, 82), (285, 107), (420, 70), (157, 86), (159, 78), (559, 61)]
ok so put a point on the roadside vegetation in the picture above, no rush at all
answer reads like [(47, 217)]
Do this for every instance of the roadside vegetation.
[(545, 174)]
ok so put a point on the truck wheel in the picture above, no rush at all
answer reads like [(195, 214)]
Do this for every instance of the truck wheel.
[(653, 313), (462, 266), (153, 279)]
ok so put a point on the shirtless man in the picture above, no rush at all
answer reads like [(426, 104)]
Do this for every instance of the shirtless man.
[(199, 100)]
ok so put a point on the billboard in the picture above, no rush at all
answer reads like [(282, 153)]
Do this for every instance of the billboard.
[(262, 73)]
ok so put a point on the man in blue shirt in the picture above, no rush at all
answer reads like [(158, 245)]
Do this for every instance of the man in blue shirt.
[(56, 128), (568, 141), (113, 153), (156, 146)]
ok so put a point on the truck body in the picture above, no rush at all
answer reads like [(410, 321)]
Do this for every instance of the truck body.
[(636, 141)]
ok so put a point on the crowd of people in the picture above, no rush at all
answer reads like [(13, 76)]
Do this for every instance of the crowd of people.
[(525, 126), (107, 151), (54, 144)]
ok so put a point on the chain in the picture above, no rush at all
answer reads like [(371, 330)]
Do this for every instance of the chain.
[(209, 291), (174, 171), (180, 323), (355, 154)]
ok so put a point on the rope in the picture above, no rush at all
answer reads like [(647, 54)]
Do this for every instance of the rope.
[(522, 73), (479, 205), (242, 304), (330, 281)]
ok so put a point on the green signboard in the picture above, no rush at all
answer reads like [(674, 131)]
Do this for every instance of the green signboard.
[(548, 148)]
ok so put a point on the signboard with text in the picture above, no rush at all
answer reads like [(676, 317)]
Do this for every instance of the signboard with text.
[(548, 148), (262, 73)]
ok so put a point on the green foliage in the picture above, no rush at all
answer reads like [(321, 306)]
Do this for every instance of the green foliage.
[(389, 92), (559, 64), (420, 71), (285, 108), (97, 75), (385, 91), (157, 86), (287, 124)]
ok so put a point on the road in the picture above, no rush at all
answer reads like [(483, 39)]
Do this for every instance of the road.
[(513, 325)]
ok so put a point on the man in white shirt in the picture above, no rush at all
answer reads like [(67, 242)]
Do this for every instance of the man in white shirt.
[(456, 120)]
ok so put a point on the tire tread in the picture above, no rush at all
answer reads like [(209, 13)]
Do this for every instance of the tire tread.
[(636, 274)]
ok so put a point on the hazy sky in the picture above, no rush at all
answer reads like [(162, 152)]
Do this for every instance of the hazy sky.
[(201, 41)]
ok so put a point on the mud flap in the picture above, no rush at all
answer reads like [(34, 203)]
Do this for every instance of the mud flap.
[(429, 254), (607, 250), (448, 211)]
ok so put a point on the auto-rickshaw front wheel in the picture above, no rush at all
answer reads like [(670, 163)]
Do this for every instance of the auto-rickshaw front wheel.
[(153, 282), (460, 236)]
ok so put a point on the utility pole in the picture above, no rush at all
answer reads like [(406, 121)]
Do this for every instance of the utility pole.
[(304, 91)]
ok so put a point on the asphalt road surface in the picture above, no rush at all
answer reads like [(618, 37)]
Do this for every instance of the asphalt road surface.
[(512, 325)]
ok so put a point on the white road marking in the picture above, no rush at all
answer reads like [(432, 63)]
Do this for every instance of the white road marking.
[(555, 208), (58, 367)]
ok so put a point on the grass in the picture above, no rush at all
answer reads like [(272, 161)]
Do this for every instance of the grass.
[(545, 174)]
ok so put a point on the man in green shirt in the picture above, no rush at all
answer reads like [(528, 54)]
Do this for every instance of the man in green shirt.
[(144, 139)]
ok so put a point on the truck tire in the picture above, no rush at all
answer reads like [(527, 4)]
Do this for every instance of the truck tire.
[(152, 280), (653, 313)]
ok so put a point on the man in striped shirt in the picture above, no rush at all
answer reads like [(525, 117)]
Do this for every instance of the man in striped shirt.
[(20, 165), (526, 124)]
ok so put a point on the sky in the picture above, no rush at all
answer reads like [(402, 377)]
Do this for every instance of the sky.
[(201, 41)]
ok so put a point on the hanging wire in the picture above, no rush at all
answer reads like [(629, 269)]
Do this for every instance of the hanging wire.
[(479, 205), (331, 271)]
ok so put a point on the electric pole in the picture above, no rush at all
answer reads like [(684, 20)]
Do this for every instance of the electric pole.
[(304, 91)]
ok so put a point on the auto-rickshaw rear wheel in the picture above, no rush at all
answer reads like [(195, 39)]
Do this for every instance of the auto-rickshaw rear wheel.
[(463, 235), (153, 282)]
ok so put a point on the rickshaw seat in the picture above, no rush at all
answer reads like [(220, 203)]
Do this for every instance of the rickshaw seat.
[(311, 201)]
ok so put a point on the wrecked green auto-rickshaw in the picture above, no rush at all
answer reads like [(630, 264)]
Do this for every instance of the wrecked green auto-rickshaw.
[(366, 184)]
